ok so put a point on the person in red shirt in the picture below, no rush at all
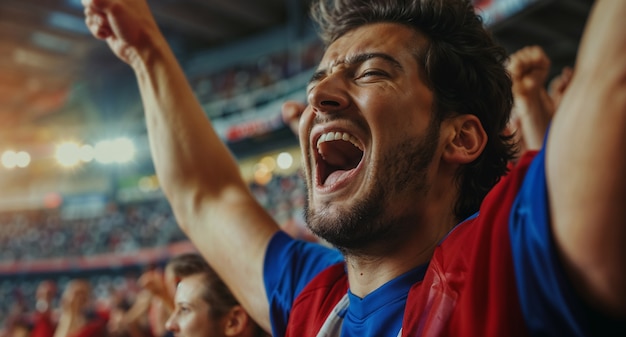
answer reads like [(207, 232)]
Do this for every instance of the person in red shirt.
[(45, 316), (77, 316)]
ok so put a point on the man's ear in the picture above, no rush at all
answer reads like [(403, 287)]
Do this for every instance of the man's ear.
[(236, 321), (467, 139)]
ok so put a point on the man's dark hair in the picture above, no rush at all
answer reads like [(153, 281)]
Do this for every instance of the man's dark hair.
[(463, 66), (187, 264)]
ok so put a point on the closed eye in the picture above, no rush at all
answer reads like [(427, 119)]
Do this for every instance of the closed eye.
[(318, 76), (370, 73), (183, 309)]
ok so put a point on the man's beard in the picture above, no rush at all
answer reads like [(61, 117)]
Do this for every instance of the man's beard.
[(371, 220)]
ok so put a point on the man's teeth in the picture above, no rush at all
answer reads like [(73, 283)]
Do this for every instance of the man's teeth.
[(330, 136)]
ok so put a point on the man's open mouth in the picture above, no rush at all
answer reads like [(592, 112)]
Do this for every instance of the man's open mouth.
[(338, 153)]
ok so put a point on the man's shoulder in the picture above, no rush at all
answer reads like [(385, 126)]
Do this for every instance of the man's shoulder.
[(317, 300), (332, 281), (492, 220), (498, 202)]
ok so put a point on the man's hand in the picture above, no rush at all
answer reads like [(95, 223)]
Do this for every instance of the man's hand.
[(154, 282), (533, 107), (291, 112), (529, 69), (128, 26), (558, 85)]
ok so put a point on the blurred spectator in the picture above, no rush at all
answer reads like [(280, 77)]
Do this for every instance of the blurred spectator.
[(17, 323), (77, 315), (160, 285), (126, 320), (205, 306), (45, 318)]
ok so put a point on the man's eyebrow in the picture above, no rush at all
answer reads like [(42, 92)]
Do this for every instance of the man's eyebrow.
[(354, 60), (318, 75), (360, 58)]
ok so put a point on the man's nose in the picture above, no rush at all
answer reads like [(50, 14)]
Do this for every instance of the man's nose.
[(170, 324), (330, 94)]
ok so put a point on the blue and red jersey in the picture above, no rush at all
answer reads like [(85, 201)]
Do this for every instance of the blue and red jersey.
[(495, 274)]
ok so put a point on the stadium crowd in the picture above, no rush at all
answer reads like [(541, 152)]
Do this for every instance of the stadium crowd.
[(124, 229)]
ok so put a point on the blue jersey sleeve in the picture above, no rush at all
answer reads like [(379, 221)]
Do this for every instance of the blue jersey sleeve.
[(550, 305), (289, 266)]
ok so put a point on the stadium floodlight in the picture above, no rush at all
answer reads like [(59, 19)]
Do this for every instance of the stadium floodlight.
[(104, 152), (86, 153), (284, 160), (9, 159), (22, 159), (67, 154), (125, 150), (118, 150)]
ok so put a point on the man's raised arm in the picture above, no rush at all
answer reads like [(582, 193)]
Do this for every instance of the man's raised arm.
[(198, 175), (586, 163)]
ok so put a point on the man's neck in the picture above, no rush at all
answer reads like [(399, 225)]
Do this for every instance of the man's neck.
[(378, 264)]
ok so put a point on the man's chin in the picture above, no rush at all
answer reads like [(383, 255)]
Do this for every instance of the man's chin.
[(336, 232)]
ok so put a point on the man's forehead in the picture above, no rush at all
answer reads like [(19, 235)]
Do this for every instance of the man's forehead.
[(378, 38), (191, 281)]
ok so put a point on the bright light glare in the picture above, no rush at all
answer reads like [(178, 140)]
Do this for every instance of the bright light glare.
[(125, 150), (9, 159), (262, 175), (269, 163), (86, 153), (22, 159), (284, 160), (119, 150), (148, 184), (104, 152), (67, 154)]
